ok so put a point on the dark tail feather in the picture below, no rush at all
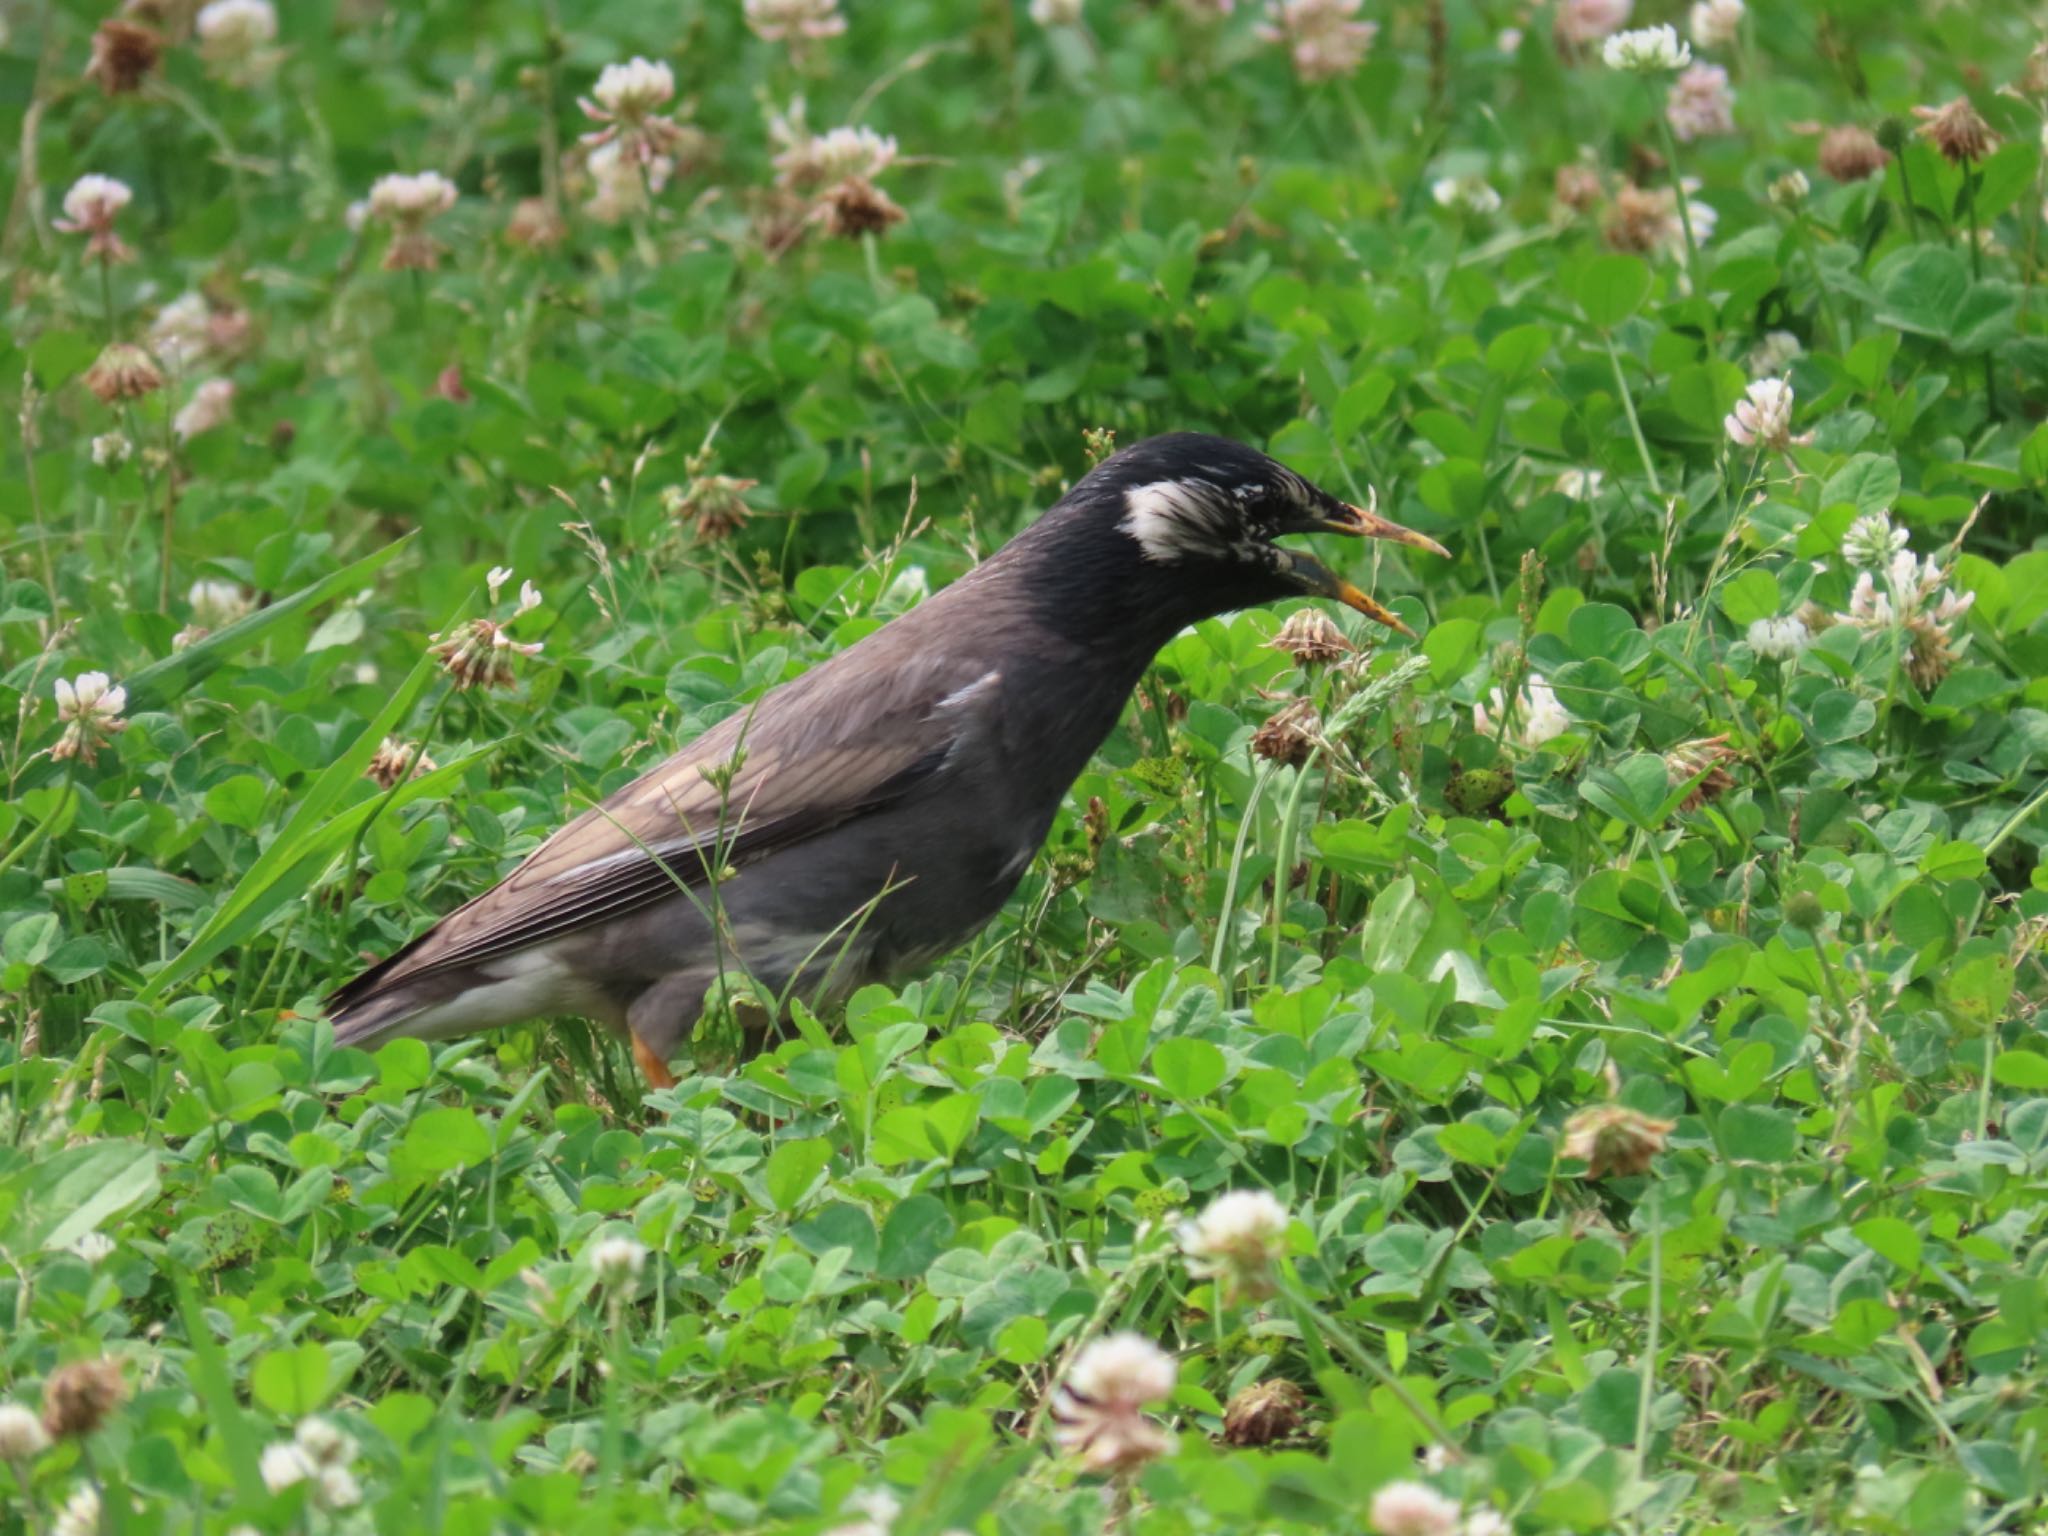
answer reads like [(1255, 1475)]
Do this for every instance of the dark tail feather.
[(373, 1007)]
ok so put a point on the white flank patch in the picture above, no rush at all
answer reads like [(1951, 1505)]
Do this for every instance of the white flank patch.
[(1180, 519)]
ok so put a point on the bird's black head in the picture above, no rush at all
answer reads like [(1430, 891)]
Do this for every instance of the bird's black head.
[(1196, 519)]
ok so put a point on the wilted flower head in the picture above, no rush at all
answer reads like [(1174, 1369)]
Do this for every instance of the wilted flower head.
[(1872, 541), (1589, 21), (1700, 104), (618, 1260), (1532, 718), (1236, 1241), (90, 208), (535, 225), (123, 371), (78, 1397), (1648, 219), (714, 506), (22, 1436), (1577, 187), (1704, 758), (407, 203), (1312, 639), (1715, 23), (1263, 1413), (211, 405), (856, 207), (1467, 194), (1324, 39), (794, 21), (1288, 736), (621, 184), (89, 707), (1777, 639), (1778, 351), (396, 761), (1098, 1410), (1762, 418), (1956, 130), (478, 654), (123, 54), (1849, 153), (1612, 1138), (1646, 51), (235, 38), (1404, 1508)]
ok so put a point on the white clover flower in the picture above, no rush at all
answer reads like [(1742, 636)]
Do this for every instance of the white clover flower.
[(218, 603), (180, 333), (635, 88), (1917, 599), (1580, 484), (1237, 1240), (618, 1260), (1404, 1508), (1715, 23), (110, 450), (90, 208), (22, 1436), (1791, 189), (1777, 639), (325, 1445), (1701, 104), (1486, 1522), (1588, 21), (812, 161), (1509, 41), (877, 1509), (211, 406), (1098, 1409), (794, 21), (621, 184), (1872, 542), (89, 706), (1532, 718), (478, 654), (283, 1464), (95, 1248), (1056, 13), (235, 38), (1763, 417), (80, 1515), (1646, 51), (1324, 39), (1774, 355), (1468, 194), (401, 199)]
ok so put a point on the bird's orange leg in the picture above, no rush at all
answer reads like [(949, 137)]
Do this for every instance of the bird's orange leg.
[(652, 1067)]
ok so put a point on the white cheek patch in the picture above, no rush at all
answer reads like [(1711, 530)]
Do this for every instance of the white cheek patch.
[(1176, 520)]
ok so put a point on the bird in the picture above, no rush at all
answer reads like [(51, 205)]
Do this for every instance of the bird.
[(860, 820)]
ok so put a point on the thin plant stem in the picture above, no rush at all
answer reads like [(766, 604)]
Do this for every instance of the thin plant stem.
[(1339, 1339), (1977, 273), (1220, 950), (1284, 863), (1646, 1387), (1692, 249), (1635, 427)]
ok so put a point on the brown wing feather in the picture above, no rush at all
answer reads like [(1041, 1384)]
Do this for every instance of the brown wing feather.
[(802, 770)]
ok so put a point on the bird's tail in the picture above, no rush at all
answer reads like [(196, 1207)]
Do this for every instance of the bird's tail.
[(379, 1005)]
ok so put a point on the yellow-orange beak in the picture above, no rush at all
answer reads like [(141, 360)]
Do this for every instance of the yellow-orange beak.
[(1359, 523), (1365, 523)]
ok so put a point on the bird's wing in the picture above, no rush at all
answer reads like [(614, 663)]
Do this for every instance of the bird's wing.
[(807, 759)]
